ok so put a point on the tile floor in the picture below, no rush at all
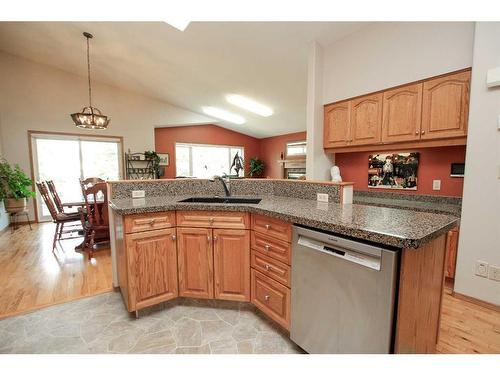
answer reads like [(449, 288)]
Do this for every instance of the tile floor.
[(101, 324)]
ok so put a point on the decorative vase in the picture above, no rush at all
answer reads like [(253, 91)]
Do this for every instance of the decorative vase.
[(13, 205)]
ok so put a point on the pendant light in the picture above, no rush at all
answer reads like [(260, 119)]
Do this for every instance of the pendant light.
[(90, 117)]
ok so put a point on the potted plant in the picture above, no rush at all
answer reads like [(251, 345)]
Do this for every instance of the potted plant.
[(15, 187), (155, 159), (256, 167)]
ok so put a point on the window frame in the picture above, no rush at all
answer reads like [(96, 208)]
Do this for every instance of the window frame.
[(296, 156), (190, 145)]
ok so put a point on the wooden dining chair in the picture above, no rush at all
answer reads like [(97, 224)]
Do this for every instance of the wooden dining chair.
[(90, 181), (59, 218), (96, 224), (61, 206)]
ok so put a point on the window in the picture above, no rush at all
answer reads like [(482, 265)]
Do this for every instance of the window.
[(205, 161), (296, 148), (65, 159)]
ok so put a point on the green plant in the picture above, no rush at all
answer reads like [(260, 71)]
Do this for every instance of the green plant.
[(153, 156), (13, 182), (256, 167)]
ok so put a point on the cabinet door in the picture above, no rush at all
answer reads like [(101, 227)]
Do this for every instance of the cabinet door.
[(336, 125), (366, 120), (195, 255), (232, 264), (451, 253), (402, 114), (152, 267), (445, 106)]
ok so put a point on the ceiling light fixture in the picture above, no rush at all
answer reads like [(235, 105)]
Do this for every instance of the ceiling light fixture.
[(249, 104), (179, 24), (90, 117), (223, 115)]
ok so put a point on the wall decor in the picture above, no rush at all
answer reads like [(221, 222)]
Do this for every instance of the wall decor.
[(164, 160), (393, 171)]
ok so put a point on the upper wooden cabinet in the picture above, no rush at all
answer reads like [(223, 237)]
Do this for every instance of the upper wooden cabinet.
[(446, 106), (336, 125), (195, 257), (402, 114), (428, 113), (152, 267), (366, 120), (232, 264)]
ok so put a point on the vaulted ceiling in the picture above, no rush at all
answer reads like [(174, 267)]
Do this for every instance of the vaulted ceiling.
[(266, 61)]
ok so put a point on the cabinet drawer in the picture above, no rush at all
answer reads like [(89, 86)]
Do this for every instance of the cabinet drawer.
[(271, 267), (272, 298), (271, 247), (213, 219), (272, 227), (149, 221)]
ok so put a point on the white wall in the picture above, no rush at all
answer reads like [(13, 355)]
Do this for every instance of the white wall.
[(480, 222), (38, 97), (4, 219), (380, 56), (388, 54)]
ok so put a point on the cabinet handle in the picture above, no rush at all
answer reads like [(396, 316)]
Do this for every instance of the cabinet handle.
[(174, 237), (209, 238), (422, 132), (152, 222), (268, 226), (416, 133), (266, 297), (268, 267), (215, 238), (211, 220), (267, 247)]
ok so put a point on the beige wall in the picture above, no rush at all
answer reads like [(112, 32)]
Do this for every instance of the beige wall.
[(4, 220), (39, 97), (480, 222), (379, 56)]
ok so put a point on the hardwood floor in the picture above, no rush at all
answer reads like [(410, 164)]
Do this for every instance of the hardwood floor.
[(32, 276), (467, 327)]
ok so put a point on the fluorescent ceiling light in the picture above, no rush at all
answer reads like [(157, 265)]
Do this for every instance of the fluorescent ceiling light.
[(249, 104), (179, 24), (223, 115)]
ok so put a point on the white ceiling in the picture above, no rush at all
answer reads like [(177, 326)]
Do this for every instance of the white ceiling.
[(266, 61)]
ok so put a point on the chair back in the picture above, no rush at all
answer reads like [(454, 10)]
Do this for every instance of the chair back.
[(44, 192), (96, 203), (55, 196)]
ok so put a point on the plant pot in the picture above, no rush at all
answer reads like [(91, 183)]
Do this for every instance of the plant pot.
[(13, 205)]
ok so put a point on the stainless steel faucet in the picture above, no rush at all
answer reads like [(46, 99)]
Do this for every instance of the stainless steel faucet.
[(224, 184)]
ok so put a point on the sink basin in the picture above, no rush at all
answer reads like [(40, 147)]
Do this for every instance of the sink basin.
[(221, 200)]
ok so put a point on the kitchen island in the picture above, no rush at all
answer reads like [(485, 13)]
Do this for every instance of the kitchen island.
[(159, 225)]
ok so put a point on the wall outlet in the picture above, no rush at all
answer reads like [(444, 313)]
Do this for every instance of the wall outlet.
[(436, 184), (494, 273), (138, 194), (322, 197), (481, 268)]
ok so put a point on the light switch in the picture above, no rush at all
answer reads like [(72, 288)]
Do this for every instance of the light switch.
[(436, 184)]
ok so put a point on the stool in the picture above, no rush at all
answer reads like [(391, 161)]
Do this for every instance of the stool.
[(15, 223)]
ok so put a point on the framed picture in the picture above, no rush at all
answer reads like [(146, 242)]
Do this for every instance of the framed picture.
[(164, 160), (393, 171)]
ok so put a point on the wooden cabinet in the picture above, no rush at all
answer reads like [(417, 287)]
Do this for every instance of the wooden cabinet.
[(428, 113), (446, 106), (213, 219), (152, 268), (336, 125), (402, 114), (366, 120), (195, 258), (150, 221), (271, 267), (451, 252), (272, 227), (272, 298), (232, 264), (272, 247)]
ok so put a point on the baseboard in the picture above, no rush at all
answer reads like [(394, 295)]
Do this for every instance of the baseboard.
[(476, 301)]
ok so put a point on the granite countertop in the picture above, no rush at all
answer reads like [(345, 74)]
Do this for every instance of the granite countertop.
[(397, 227), (435, 207)]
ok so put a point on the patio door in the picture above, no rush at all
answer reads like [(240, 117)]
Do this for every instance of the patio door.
[(66, 159)]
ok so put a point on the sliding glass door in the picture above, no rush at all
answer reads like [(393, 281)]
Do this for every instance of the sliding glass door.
[(66, 159)]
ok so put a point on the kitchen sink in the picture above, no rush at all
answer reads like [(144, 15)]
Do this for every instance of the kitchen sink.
[(221, 200)]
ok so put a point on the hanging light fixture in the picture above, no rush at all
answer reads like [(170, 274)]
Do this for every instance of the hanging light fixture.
[(90, 117)]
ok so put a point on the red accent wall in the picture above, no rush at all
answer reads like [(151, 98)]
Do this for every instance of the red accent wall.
[(434, 164), (272, 147), (165, 139)]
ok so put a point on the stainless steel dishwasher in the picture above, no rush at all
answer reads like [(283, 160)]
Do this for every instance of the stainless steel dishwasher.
[(343, 294)]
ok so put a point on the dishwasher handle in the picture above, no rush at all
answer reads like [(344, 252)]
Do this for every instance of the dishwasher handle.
[(366, 260)]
